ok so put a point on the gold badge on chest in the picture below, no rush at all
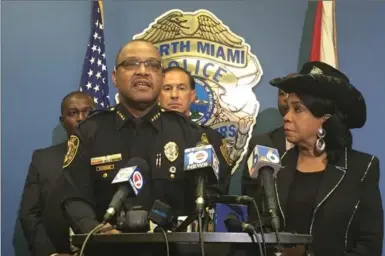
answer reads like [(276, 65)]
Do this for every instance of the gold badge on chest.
[(171, 151)]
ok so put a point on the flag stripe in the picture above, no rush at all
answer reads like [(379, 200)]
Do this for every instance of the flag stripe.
[(307, 34), (328, 53), (316, 42)]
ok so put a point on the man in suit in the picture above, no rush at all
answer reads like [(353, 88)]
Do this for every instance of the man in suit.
[(44, 169)]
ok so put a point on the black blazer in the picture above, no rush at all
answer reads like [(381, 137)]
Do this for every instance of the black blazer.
[(348, 215), (45, 168)]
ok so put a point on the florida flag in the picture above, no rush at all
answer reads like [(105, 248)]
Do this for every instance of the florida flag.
[(324, 39)]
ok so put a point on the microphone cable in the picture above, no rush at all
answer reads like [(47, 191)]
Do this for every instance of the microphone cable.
[(200, 224), (260, 226), (164, 232), (259, 243), (166, 240), (94, 230)]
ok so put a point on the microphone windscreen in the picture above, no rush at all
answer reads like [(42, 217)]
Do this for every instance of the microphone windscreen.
[(137, 221), (140, 163), (233, 224)]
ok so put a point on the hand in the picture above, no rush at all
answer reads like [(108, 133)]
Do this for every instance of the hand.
[(109, 230)]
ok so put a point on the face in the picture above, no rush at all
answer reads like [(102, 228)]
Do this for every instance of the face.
[(299, 123), (76, 109), (176, 93), (138, 74), (282, 102)]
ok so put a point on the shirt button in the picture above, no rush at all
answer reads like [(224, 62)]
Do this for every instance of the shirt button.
[(172, 176), (105, 175)]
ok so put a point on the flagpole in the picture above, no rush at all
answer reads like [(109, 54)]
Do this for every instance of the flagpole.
[(101, 10), (335, 33)]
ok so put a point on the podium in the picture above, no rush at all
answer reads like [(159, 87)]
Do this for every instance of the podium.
[(184, 244)]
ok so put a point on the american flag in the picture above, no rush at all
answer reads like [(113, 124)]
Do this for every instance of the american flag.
[(94, 80)]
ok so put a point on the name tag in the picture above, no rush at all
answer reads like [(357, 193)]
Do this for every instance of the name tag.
[(106, 159), (106, 167)]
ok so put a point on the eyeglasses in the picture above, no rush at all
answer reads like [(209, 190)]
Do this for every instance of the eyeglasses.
[(153, 65)]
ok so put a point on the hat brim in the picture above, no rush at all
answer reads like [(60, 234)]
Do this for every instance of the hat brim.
[(347, 98)]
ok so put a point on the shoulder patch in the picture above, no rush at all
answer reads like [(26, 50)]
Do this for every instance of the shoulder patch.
[(72, 149), (182, 117), (225, 152)]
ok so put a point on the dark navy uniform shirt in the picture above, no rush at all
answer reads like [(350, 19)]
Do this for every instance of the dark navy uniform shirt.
[(160, 138)]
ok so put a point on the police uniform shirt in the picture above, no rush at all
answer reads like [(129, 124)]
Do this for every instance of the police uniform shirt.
[(107, 140)]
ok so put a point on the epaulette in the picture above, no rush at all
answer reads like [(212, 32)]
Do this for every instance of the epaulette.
[(170, 112), (100, 111), (181, 115), (198, 126), (97, 112)]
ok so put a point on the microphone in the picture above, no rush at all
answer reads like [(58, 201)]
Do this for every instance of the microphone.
[(203, 162), (130, 180), (137, 220), (162, 215), (265, 162), (233, 224)]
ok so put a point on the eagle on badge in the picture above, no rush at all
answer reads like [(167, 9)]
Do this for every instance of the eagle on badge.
[(177, 25)]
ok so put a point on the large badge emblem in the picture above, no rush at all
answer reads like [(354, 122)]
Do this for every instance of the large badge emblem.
[(224, 68)]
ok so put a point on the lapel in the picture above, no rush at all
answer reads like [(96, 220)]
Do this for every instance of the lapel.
[(59, 153), (62, 149), (333, 176), (285, 178)]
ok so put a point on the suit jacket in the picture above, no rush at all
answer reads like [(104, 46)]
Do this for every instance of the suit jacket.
[(348, 215), (45, 168)]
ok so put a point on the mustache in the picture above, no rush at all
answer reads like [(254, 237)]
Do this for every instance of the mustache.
[(142, 80)]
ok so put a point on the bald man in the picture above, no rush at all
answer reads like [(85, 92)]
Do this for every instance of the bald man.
[(136, 127), (45, 167)]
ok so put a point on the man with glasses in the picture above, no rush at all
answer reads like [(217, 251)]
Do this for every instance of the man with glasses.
[(136, 127), (36, 205)]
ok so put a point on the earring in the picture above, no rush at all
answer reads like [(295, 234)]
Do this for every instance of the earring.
[(320, 143)]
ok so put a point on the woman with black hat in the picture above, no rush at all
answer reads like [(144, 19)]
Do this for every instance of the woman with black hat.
[(325, 188)]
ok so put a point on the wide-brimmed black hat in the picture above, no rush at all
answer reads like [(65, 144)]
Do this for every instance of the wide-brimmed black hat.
[(322, 80)]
